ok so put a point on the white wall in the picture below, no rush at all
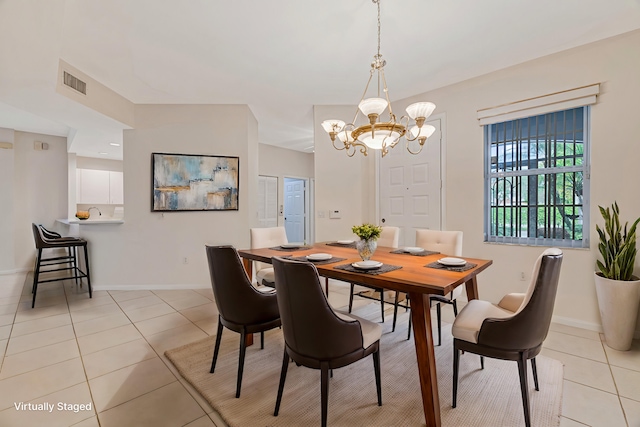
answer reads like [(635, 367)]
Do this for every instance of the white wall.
[(614, 164), (281, 163), (6, 202), (148, 249)]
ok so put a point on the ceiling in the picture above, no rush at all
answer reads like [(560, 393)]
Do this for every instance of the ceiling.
[(280, 57)]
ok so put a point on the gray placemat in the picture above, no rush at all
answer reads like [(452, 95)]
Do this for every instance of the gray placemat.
[(300, 248), (423, 253), (340, 245), (324, 261), (457, 268), (384, 268)]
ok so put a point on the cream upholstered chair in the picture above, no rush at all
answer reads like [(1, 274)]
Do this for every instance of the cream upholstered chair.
[(266, 238), (447, 243), (389, 237), (315, 335), (512, 330)]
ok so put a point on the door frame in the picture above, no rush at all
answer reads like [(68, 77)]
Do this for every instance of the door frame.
[(308, 218), (443, 137)]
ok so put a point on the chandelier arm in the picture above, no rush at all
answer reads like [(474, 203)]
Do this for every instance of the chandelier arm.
[(366, 88), (416, 152), (386, 91), (408, 134), (363, 147)]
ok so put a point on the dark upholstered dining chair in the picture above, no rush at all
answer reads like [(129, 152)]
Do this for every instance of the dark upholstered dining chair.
[(315, 335), (242, 308), (512, 330)]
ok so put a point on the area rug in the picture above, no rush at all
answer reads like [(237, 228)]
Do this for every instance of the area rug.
[(486, 398)]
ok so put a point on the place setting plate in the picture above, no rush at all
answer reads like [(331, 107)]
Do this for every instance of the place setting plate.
[(367, 265), (413, 250), (319, 257), (345, 242), (452, 262)]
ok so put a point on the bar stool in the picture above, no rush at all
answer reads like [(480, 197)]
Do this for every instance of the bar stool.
[(52, 242)]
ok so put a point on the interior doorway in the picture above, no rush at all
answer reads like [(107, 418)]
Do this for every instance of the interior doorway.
[(296, 206)]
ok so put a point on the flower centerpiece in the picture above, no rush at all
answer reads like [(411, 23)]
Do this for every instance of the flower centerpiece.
[(368, 234)]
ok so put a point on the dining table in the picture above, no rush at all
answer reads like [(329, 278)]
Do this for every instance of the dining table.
[(418, 276)]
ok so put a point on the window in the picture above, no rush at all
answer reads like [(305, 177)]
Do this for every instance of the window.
[(537, 179)]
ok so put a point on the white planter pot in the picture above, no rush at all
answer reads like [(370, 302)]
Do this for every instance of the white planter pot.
[(618, 302)]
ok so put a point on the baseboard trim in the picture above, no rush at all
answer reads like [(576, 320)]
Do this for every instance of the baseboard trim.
[(150, 287), (567, 321), (15, 271)]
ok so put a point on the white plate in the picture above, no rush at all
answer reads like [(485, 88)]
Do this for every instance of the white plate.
[(344, 242), (452, 261), (367, 265), (319, 257), (413, 249), (290, 246)]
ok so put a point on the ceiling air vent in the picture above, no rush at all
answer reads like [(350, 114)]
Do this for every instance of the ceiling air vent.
[(75, 83)]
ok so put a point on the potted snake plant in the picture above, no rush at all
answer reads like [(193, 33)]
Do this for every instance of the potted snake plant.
[(618, 290)]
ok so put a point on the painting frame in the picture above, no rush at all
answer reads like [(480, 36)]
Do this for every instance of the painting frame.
[(194, 182)]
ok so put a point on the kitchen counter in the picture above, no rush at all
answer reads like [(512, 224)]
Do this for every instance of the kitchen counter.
[(91, 221)]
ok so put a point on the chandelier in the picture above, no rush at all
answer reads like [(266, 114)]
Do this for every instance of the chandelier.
[(376, 134)]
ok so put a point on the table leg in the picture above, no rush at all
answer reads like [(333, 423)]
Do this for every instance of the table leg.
[(472, 288), (248, 267), (421, 318)]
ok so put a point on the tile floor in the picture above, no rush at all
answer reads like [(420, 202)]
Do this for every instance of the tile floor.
[(109, 351)]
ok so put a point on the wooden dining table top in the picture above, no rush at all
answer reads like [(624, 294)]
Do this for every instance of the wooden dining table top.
[(414, 276)]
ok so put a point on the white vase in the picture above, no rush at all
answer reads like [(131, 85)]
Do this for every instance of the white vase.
[(366, 248), (618, 301)]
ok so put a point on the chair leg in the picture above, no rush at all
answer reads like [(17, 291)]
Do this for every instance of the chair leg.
[(395, 311), (535, 373), (456, 364), (376, 370), (283, 377), (86, 264), (351, 298), (409, 329), (36, 275), (439, 316), (481, 362), (455, 307), (522, 369), (382, 304), (243, 351), (262, 340), (326, 286), (324, 391), (217, 347)]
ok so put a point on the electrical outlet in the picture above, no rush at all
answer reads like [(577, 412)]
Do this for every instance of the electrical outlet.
[(522, 276), (185, 260)]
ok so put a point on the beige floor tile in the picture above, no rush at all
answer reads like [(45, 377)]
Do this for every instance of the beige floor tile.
[(120, 386), (38, 358), (5, 331), (3, 347), (584, 371), (628, 382), (40, 339), (194, 300), (204, 421), (119, 296), (109, 338), (170, 405), (576, 346), (200, 312), (175, 337), (175, 294), (58, 417), (590, 406), (75, 293), (101, 324), (37, 325), (197, 396), (39, 313), (86, 302), (42, 301), (209, 325), (144, 313), (8, 309), (7, 319), (631, 411), (625, 359), (117, 357), (566, 422), (206, 292), (91, 313), (217, 419), (161, 323), (89, 422), (578, 332), (13, 299), (139, 302), (40, 382)]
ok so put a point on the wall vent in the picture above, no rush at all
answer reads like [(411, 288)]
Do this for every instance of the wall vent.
[(75, 83)]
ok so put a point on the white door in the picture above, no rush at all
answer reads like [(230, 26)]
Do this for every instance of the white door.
[(294, 215), (267, 201), (410, 188)]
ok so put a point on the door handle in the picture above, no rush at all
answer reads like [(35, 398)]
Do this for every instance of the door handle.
[(383, 220)]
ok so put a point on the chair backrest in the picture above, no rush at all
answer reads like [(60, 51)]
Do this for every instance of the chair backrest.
[(529, 326), (267, 237), (309, 324), (237, 300), (446, 242), (389, 237)]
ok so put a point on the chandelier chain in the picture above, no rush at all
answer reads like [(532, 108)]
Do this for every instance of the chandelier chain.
[(378, 3)]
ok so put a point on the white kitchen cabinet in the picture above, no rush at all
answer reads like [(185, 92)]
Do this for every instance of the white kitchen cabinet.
[(99, 187)]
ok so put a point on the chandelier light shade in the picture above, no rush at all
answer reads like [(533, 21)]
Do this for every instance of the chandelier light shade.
[(376, 134)]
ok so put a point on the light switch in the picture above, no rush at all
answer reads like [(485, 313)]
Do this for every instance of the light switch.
[(334, 215)]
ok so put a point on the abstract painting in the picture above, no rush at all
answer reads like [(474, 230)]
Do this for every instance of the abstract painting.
[(189, 182)]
